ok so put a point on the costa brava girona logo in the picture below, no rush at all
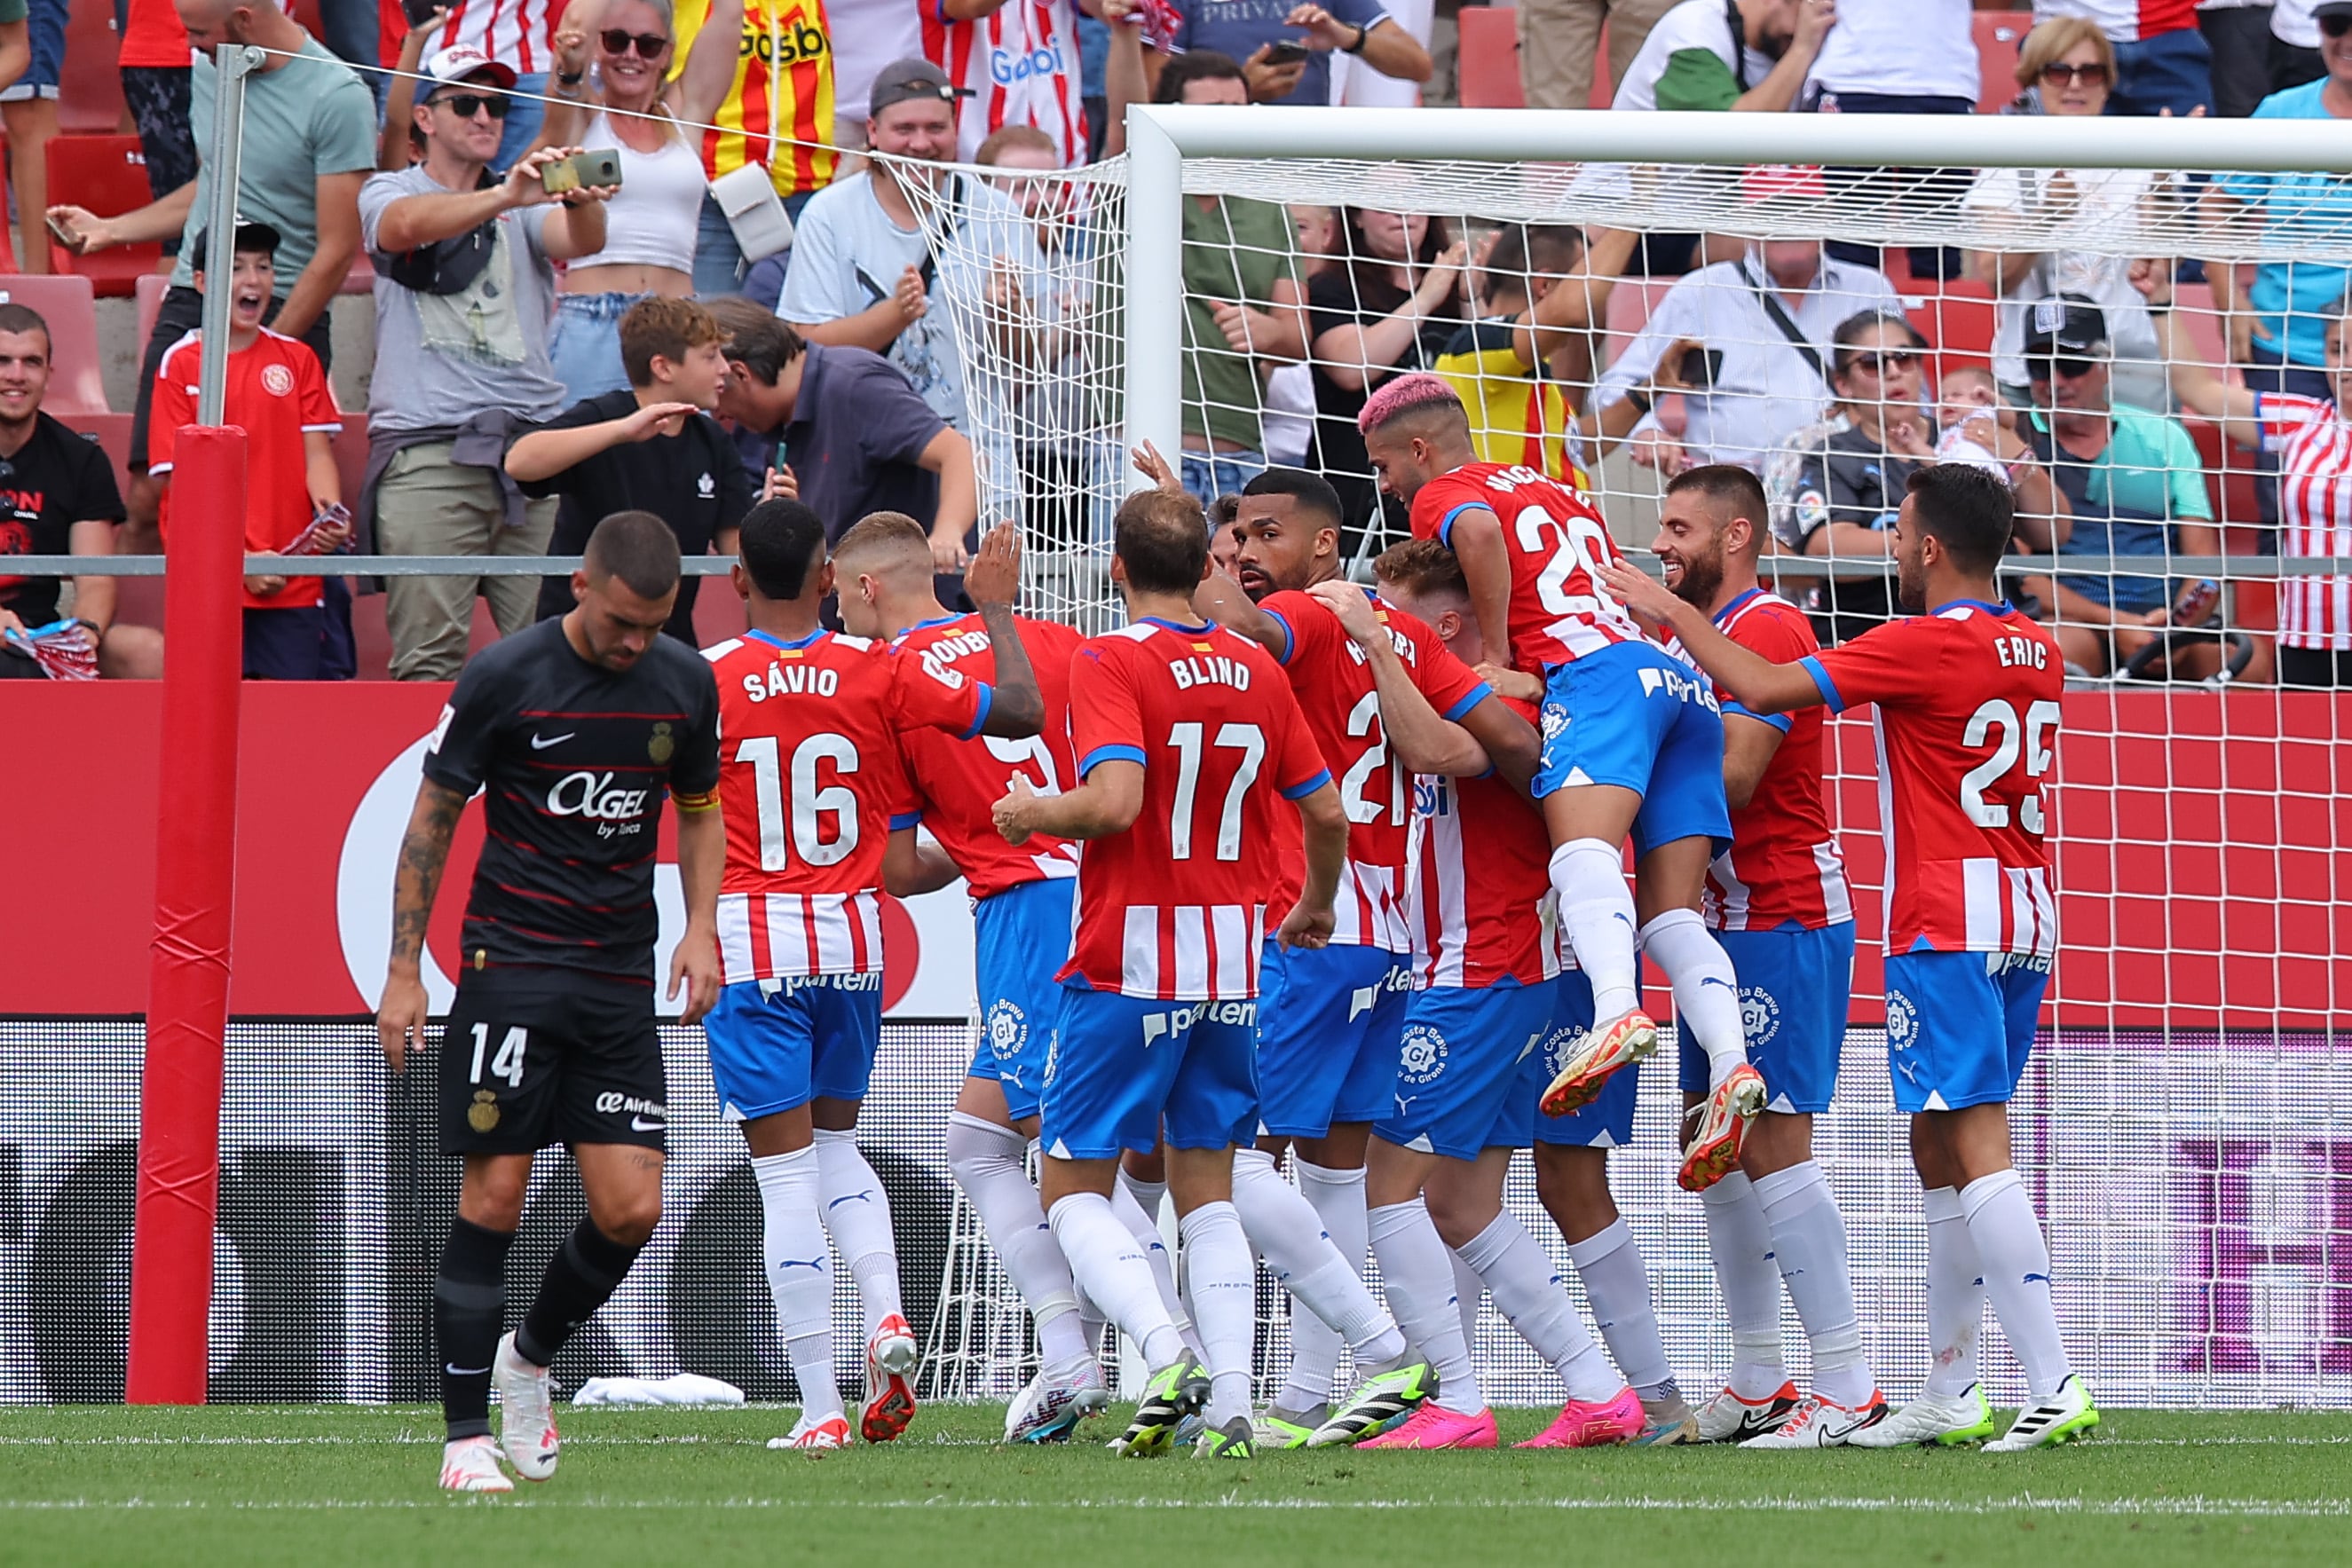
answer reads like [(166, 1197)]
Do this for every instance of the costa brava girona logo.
[(1424, 1054), (1759, 1014), (1902, 1021), (1008, 1029)]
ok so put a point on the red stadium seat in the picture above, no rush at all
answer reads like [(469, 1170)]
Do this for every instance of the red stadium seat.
[(76, 386), (90, 84), (152, 288), (1488, 58), (108, 175), (1998, 34), (1957, 321)]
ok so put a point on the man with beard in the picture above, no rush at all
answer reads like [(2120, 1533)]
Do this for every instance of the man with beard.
[(1777, 901), (1966, 697), (1331, 1019)]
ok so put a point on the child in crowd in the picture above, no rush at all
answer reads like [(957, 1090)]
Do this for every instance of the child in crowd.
[(296, 628)]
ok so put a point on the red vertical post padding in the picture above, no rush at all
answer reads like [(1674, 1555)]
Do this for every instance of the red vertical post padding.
[(187, 984)]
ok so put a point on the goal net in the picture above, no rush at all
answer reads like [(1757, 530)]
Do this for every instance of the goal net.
[(1830, 302)]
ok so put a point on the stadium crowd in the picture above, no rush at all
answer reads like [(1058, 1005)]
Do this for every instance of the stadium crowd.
[(533, 351)]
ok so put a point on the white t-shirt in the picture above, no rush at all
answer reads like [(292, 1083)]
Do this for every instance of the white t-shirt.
[(2291, 22), (1693, 25), (2105, 195), (1923, 48), (847, 256), (651, 221)]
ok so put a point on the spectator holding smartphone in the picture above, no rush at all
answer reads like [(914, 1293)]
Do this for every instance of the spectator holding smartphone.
[(464, 288), (1285, 48), (296, 628)]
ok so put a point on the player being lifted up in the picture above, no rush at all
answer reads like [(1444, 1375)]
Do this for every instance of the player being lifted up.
[(1777, 900), (1331, 1019), (1967, 708), (818, 818), (572, 731), (1633, 743), (1021, 918), (1189, 743), (1484, 954)]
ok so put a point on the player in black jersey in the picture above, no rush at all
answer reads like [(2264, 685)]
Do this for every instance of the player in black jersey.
[(574, 731)]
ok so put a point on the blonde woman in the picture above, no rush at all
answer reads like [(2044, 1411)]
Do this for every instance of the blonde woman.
[(614, 87)]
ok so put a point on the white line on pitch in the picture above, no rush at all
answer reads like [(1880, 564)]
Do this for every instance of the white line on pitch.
[(2185, 1507)]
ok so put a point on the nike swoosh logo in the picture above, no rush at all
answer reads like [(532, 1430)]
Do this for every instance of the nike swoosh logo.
[(541, 743), (464, 1371), (639, 1125)]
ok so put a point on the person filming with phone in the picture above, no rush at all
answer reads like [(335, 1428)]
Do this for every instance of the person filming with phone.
[(465, 289)]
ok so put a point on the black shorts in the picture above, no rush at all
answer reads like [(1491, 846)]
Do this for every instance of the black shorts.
[(529, 1060)]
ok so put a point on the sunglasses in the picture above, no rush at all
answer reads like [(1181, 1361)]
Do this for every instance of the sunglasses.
[(2335, 26), (465, 105), (616, 41), (2058, 73), (2065, 369), (1881, 362)]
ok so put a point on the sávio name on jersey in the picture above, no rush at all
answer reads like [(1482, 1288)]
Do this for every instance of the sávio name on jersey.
[(1213, 670), (781, 679), (592, 795)]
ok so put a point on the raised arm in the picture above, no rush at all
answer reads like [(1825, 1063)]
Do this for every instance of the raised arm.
[(1755, 682), (1220, 598), (2237, 410), (992, 581), (709, 73), (1422, 739), (1577, 303)]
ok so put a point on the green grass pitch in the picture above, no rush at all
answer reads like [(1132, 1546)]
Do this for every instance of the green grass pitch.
[(332, 1487)]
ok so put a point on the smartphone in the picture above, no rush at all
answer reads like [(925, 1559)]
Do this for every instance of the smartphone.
[(66, 237), (1700, 367), (597, 166), (417, 10), (1285, 54)]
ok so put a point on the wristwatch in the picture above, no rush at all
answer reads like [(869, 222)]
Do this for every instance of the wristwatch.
[(1356, 47)]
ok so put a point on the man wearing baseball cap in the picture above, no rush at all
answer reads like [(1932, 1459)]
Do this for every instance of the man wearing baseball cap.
[(309, 141), (464, 292), (2131, 479), (863, 274)]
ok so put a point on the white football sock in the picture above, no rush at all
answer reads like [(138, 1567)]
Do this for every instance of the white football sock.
[(857, 1214), (1221, 1276), (1809, 1235), (1598, 911), (1527, 1292), (1284, 1227), (1469, 1291), (1105, 1259), (1417, 1271), (1137, 1204), (1706, 993), (2016, 1260), (1739, 1240), (1337, 1199), (800, 1274), (1956, 1294), (1617, 1280), (991, 1164)]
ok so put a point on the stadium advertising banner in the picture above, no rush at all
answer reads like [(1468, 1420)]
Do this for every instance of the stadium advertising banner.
[(2194, 1165)]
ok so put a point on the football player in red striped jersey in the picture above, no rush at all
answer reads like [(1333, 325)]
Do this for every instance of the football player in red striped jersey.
[(817, 823), (1967, 693)]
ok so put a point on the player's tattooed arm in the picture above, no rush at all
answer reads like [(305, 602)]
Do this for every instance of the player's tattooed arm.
[(424, 855), (1425, 740), (1755, 682), (992, 581)]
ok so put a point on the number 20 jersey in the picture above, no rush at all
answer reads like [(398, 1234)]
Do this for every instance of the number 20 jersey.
[(1173, 908), (812, 784), (1557, 543), (1968, 699)]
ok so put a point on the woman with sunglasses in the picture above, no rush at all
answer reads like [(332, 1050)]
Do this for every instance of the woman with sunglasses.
[(1850, 474), (614, 88), (2066, 67)]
